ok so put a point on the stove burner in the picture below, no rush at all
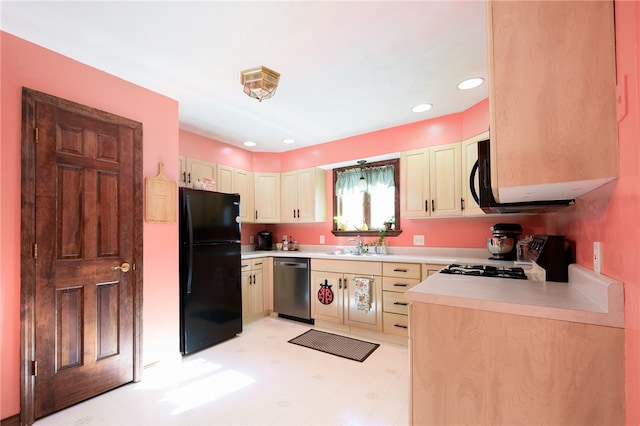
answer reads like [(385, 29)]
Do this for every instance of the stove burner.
[(486, 271)]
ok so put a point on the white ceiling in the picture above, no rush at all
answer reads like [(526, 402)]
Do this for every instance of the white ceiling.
[(347, 67)]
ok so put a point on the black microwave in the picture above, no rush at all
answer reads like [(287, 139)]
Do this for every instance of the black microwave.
[(483, 195)]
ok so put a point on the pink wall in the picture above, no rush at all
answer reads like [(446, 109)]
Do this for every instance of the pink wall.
[(610, 214), (25, 64)]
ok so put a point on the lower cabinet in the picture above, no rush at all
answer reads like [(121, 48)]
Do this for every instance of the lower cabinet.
[(340, 295), (429, 269), (478, 367), (253, 305), (396, 279)]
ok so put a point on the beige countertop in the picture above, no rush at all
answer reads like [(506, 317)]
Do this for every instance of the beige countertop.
[(588, 297)]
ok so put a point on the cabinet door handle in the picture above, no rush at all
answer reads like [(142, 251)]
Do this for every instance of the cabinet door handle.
[(462, 204), (400, 270), (184, 177), (256, 214), (433, 206), (399, 285), (400, 326), (294, 213), (340, 283), (189, 177), (298, 211), (401, 303), (426, 206), (345, 283)]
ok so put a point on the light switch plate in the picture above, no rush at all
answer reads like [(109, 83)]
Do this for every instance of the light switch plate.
[(321, 239), (418, 240), (597, 257)]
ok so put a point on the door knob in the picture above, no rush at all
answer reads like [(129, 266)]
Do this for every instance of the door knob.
[(124, 267)]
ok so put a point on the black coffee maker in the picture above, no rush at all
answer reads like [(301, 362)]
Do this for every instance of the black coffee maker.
[(503, 244), (265, 240)]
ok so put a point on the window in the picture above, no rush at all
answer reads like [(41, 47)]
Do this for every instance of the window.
[(366, 199)]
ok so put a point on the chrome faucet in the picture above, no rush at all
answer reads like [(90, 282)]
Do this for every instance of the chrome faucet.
[(358, 244)]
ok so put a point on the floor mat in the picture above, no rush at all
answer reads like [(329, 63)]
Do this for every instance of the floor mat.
[(345, 347)]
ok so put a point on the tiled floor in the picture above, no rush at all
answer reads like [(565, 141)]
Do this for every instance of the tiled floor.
[(258, 379)]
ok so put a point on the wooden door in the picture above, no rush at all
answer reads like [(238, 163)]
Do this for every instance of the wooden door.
[(82, 188)]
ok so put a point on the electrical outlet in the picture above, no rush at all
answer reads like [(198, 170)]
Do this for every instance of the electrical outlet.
[(597, 257), (251, 240), (418, 240), (321, 239)]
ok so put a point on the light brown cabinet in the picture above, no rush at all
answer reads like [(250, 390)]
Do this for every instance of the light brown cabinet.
[(267, 198), (303, 194), (397, 278), (552, 93), (252, 273), (431, 182), (477, 368), (343, 309)]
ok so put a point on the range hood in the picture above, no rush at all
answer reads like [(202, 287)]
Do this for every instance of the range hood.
[(483, 195)]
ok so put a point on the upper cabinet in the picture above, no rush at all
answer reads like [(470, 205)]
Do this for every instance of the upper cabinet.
[(552, 98), (414, 183), (446, 180), (267, 197), (431, 182), (237, 181), (303, 195), (194, 170)]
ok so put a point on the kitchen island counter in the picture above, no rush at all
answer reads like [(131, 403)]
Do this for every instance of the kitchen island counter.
[(587, 298)]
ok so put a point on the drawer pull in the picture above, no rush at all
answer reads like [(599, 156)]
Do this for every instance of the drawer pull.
[(400, 270), (399, 285), (244, 266), (400, 326), (401, 303)]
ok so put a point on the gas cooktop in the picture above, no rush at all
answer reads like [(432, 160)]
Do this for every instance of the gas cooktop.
[(513, 272)]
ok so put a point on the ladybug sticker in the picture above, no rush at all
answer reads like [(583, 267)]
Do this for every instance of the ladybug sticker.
[(325, 294)]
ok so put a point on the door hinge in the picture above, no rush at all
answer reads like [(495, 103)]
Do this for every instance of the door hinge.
[(35, 251), (36, 134), (34, 368)]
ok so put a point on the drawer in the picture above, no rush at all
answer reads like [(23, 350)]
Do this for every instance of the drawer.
[(395, 324), (395, 303), (401, 270), (398, 284)]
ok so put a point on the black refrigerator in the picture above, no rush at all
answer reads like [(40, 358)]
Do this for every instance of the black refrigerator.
[(210, 281)]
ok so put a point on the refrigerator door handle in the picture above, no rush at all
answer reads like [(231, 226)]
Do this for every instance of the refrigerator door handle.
[(190, 233)]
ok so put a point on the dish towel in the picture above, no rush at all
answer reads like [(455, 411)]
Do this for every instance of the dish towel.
[(363, 294)]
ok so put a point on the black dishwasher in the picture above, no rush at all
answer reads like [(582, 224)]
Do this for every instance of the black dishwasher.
[(292, 288)]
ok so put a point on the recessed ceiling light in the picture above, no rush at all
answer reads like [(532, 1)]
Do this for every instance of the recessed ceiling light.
[(249, 143), (422, 108), (288, 141), (470, 83)]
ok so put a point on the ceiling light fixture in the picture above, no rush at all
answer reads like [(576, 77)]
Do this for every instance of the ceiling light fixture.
[(249, 143), (422, 108), (288, 141), (260, 82), (471, 83), (362, 183)]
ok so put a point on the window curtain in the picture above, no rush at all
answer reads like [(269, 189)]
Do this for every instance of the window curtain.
[(348, 181)]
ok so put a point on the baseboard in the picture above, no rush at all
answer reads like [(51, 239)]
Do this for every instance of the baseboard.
[(11, 421)]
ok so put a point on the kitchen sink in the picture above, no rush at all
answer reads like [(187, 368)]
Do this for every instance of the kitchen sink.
[(348, 253)]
